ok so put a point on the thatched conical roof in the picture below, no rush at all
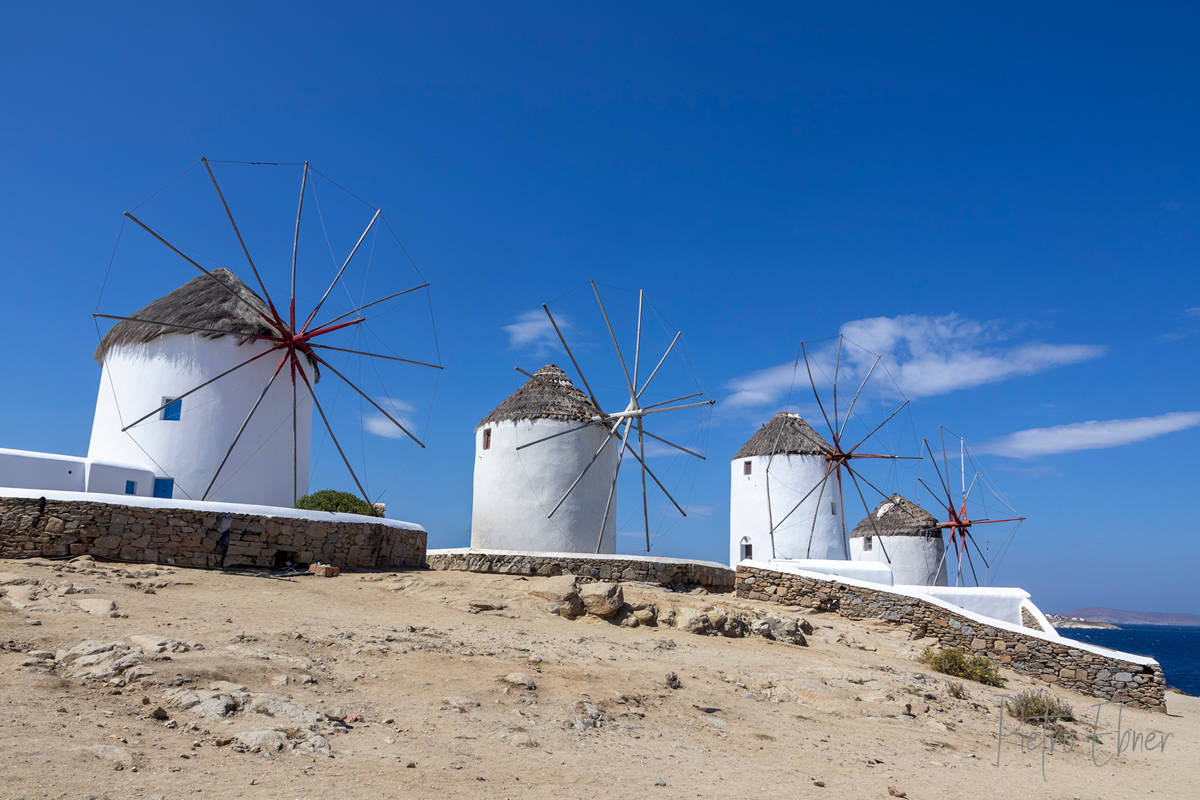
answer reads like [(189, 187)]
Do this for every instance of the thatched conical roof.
[(549, 394), (201, 303), (898, 516), (785, 434)]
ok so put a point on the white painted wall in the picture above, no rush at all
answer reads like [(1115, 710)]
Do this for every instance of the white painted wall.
[(791, 478), (872, 571), (514, 489), (915, 560), (927, 594), (106, 478), (136, 378), (27, 470), (997, 602)]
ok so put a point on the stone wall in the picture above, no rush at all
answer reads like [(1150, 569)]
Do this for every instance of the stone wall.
[(1037, 654), (198, 538), (664, 572)]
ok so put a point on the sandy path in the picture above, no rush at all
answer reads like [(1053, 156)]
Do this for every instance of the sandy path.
[(406, 654)]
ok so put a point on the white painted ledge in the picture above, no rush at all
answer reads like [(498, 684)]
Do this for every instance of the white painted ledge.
[(199, 505), (919, 593)]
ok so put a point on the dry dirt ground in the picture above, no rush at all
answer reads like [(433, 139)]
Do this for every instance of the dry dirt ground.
[(215, 684)]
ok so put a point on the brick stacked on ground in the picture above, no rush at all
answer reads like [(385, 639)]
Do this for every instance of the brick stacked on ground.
[(712, 577), (191, 538), (1054, 662)]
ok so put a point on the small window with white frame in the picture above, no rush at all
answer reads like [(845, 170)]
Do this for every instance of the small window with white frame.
[(867, 545), (746, 467)]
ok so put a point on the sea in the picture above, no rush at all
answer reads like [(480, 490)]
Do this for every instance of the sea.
[(1175, 647)]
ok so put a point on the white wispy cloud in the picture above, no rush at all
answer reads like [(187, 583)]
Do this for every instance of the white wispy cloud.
[(926, 355), (380, 425), (532, 331), (1090, 435)]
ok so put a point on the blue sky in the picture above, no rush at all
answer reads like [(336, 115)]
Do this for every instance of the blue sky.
[(1002, 204)]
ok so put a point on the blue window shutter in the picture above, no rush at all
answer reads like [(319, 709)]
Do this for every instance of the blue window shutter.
[(130, 487), (164, 487), (173, 411)]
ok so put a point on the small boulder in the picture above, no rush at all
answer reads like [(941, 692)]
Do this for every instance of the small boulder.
[(563, 593), (735, 627), (602, 599), (693, 621), (267, 740), (96, 605), (520, 680), (646, 615)]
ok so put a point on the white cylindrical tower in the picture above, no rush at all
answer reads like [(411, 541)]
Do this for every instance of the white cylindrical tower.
[(770, 474), (146, 365), (904, 536), (515, 490)]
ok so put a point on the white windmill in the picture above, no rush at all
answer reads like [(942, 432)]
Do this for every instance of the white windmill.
[(787, 494), (548, 458), (212, 386)]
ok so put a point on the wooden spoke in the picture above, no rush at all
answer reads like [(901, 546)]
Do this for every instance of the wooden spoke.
[(816, 394), (556, 435), (241, 299), (338, 276), (613, 335), (279, 324), (672, 444), (368, 305), (880, 425), (642, 462), (654, 372), (571, 356), (612, 489), (574, 483), (201, 386), (659, 483), (854, 401), (870, 515), (328, 427), (296, 246), (368, 398), (376, 355), (824, 478), (237, 437), (673, 400)]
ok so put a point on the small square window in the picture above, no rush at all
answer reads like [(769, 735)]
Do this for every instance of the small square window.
[(164, 488), (867, 545), (746, 467), (173, 409), (130, 487), (487, 438)]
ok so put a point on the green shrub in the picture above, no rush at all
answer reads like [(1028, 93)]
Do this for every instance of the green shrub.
[(1038, 705), (956, 690), (953, 661), (333, 500)]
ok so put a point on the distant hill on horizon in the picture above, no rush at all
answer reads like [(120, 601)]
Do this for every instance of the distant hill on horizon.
[(1116, 616)]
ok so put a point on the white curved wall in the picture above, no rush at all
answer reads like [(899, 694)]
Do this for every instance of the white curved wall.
[(514, 489), (792, 476), (915, 560), (23, 469), (136, 378)]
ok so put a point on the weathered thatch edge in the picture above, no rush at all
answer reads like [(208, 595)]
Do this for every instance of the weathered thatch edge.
[(203, 302), (549, 394), (904, 518), (784, 434)]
